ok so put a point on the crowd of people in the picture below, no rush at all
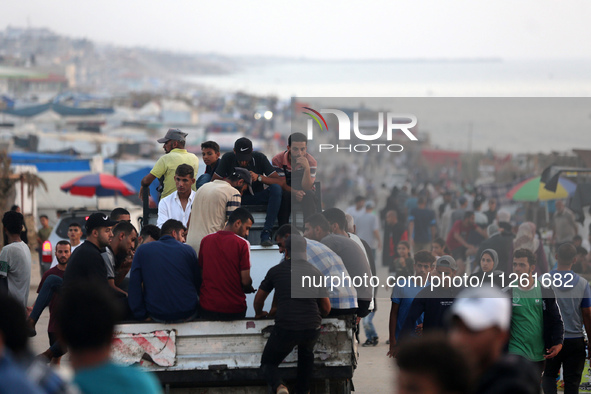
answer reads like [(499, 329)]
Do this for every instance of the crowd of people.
[(195, 264)]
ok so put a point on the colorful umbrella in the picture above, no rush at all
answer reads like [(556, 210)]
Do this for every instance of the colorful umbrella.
[(532, 189), (100, 185)]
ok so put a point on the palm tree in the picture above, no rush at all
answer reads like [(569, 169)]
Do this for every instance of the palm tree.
[(8, 180)]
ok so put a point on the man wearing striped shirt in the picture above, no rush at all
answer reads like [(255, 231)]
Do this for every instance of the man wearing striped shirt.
[(214, 202), (343, 299)]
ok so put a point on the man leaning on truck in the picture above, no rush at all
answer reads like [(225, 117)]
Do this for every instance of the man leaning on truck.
[(297, 321)]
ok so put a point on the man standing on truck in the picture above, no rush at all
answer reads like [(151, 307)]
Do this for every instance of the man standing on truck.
[(176, 154), (298, 318), (214, 203), (224, 258), (262, 173)]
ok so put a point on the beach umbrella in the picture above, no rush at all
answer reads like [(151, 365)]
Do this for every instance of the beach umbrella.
[(532, 189), (99, 185)]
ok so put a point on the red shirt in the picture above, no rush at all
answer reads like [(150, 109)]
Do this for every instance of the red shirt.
[(458, 227), (222, 257), (51, 327)]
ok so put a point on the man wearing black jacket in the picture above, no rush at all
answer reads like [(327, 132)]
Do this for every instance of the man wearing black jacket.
[(537, 329)]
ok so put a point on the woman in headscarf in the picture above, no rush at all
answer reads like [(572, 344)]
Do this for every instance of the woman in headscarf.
[(526, 238), (489, 260)]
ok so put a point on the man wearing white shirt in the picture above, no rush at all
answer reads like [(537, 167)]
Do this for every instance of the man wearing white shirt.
[(178, 205), (74, 235)]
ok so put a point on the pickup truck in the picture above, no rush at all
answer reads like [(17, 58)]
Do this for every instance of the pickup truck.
[(225, 357)]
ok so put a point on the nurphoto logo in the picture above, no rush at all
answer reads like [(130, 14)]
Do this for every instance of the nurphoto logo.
[(393, 122)]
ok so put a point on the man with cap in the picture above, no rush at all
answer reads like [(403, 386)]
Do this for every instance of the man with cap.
[(433, 303), (87, 263), (165, 167), (299, 314), (479, 326), (214, 203), (262, 173)]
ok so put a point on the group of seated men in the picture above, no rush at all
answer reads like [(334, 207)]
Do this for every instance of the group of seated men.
[(290, 174)]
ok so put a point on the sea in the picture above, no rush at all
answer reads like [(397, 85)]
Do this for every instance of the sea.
[(441, 78)]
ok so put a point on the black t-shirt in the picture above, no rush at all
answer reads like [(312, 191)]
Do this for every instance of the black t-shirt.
[(295, 313), (259, 164), (86, 265)]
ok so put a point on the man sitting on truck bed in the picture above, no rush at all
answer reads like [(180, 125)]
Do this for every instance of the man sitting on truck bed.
[(262, 173), (165, 279), (343, 299), (119, 249), (317, 228), (224, 258), (178, 204), (299, 169), (299, 314), (214, 203), (210, 152)]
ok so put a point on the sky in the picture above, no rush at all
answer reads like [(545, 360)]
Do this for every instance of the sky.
[(323, 29)]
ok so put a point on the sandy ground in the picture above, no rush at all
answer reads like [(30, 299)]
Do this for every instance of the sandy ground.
[(375, 372)]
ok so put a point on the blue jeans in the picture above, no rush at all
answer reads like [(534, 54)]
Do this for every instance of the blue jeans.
[(271, 197), (52, 285), (202, 180), (368, 327)]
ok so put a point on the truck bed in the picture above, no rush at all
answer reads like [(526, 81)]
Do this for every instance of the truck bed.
[(216, 353)]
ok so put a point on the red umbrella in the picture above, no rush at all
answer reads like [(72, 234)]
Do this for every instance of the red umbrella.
[(100, 185)]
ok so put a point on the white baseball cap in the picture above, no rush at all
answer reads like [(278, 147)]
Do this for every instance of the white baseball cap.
[(482, 308)]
